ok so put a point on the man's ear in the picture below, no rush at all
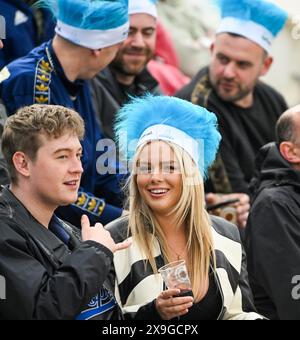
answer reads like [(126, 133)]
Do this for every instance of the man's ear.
[(20, 161), (266, 65), (289, 152)]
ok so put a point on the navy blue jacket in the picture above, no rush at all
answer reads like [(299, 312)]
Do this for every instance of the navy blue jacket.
[(39, 78), (22, 34)]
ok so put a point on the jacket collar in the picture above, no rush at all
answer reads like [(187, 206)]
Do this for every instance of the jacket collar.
[(271, 169), (27, 224), (73, 88)]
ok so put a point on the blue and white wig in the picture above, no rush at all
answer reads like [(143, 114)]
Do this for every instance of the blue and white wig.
[(93, 24), (257, 20), (169, 119), (143, 6)]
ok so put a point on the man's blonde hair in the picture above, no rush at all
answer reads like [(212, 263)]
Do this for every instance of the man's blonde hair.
[(22, 131)]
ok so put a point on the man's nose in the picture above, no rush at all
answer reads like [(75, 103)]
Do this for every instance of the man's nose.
[(76, 166), (229, 71), (138, 40)]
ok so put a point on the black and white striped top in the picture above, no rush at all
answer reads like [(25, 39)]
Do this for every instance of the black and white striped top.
[(136, 286)]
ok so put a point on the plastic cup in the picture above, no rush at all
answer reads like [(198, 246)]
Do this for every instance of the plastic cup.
[(229, 214), (175, 276)]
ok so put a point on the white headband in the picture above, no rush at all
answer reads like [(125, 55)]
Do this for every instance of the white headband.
[(142, 6), (249, 29), (93, 39), (171, 134)]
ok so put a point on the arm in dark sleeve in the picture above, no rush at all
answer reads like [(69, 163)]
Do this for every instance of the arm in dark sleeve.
[(33, 293), (273, 252)]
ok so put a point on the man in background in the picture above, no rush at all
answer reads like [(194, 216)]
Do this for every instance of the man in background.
[(272, 232), (127, 75), (247, 109)]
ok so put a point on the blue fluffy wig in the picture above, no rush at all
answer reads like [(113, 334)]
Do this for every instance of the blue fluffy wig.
[(141, 113), (89, 14), (264, 13)]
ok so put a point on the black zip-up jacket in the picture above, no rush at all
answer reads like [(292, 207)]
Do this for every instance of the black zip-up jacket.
[(273, 236), (45, 278), (109, 95)]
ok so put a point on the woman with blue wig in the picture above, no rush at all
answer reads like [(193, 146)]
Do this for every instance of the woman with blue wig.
[(170, 144)]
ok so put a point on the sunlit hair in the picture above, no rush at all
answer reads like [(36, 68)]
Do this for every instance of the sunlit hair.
[(23, 129), (190, 211)]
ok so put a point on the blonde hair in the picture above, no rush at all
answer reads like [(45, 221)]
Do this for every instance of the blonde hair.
[(23, 129), (190, 211)]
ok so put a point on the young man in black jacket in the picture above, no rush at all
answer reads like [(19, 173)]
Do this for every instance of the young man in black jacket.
[(50, 271), (273, 229)]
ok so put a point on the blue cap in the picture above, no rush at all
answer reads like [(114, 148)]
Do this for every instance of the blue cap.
[(256, 20), (93, 24), (143, 6)]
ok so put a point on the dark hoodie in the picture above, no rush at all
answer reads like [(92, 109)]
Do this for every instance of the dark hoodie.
[(273, 236)]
